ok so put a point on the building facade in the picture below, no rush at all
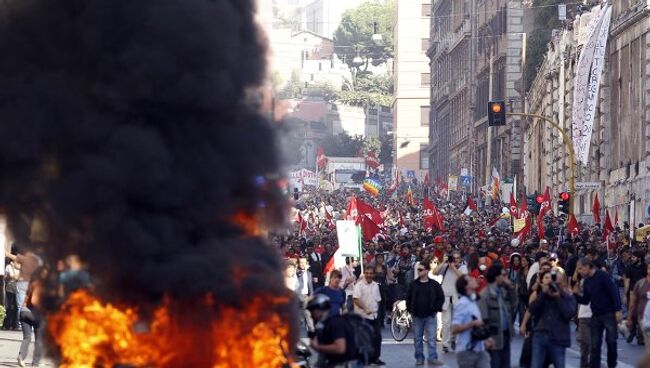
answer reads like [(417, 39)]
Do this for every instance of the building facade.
[(619, 156), (476, 56), (411, 111), (324, 16)]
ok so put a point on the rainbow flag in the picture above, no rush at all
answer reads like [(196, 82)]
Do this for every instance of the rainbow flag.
[(372, 186)]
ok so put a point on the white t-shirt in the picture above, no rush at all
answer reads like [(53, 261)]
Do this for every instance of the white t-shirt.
[(449, 279)]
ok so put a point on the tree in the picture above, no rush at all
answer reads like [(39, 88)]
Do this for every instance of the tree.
[(342, 145), (367, 91), (354, 36), (293, 88)]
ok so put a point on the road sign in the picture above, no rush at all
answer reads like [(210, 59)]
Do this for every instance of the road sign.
[(588, 185)]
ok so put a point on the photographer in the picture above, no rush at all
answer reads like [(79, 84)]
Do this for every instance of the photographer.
[(552, 307), (451, 269), (470, 353), (333, 339)]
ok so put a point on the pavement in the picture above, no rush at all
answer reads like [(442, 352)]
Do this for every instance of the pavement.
[(400, 354), (395, 354)]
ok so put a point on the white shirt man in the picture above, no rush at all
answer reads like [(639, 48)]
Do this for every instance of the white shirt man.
[(366, 303), (450, 272)]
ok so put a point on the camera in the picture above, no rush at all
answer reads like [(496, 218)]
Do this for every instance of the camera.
[(553, 287), (450, 259), (554, 276)]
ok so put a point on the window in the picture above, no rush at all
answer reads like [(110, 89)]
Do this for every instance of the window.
[(425, 80), (372, 111), (424, 115), (426, 10), (424, 157), (425, 44)]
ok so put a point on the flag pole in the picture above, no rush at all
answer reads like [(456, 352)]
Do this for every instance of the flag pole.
[(360, 242)]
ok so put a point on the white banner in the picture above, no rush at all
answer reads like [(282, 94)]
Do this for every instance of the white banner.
[(348, 237), (580, 91), (582, 150), (302, 177)]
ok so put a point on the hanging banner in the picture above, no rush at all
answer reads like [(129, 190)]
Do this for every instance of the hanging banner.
[(580, 91), (582, 149), (347, 234), (452, 183)]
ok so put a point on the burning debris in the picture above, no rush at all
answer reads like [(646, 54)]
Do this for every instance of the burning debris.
[(127, 134)]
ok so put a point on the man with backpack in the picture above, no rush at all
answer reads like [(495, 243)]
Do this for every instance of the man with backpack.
[(424, 300), (333, 337)]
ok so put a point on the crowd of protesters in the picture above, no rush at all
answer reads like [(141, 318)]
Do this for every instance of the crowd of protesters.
[(483, 276), (31, 287)]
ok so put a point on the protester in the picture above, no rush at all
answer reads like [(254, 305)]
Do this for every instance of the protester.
[(74, 277), (366, 303), (638, 301), (497, 304), (451, 269), (470, 353), (349, 278), (424, 300), (11, 306), (27, 263), (552, 307), (599, 290), (334, 292), (304, 290), (31, 317)]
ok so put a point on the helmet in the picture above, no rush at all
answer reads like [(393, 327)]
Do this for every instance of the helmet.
[(319, 301)]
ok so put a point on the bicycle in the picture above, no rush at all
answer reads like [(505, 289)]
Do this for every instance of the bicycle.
[(400, 321)]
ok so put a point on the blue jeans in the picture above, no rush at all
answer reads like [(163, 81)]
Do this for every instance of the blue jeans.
[(420, 324), (543, 346)]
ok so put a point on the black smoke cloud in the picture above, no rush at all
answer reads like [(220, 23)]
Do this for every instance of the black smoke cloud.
[(125, 127)]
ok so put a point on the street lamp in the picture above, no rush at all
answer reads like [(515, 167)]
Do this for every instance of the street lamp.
[(377, 38)]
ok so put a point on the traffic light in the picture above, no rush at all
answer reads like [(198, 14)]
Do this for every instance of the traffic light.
[(496, 113), (563, 203)]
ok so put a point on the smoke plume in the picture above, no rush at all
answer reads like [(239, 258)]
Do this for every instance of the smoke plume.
[(125, 130)]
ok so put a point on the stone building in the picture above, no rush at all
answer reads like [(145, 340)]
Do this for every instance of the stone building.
[(488, 65), (619, 157)]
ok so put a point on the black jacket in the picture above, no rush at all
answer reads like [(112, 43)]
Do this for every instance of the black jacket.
[(417, 289)]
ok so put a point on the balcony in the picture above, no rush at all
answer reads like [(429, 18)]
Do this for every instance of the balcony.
[(630, 16)]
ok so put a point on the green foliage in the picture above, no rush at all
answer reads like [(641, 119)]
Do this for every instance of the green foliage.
[(325, 90), (342, 145), (356, 30), (294, 87), (546, 19), (367, 90)]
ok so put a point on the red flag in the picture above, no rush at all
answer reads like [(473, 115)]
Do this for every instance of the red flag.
[(365, 215), (329, 265), (401, 219), (432, 217), (513, 206), (544, 208), (616, 218), (437, 188), (596, 209), (471, 204), (574, 230), (608, 228), (372, 161), (330, 219), (300, 221), (523, 213), (427, 182), (321, 159)]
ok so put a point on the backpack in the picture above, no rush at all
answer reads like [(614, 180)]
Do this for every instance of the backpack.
[(363, 336)]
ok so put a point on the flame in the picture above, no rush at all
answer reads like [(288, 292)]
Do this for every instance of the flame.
[(92, 334), (249, 223)]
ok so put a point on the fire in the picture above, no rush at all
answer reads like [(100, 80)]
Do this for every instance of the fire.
[(92, 334)]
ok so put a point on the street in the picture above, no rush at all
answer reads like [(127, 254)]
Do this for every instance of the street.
[(400, 354)]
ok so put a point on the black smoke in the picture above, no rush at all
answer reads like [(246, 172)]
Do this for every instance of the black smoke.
[(125, 127)]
